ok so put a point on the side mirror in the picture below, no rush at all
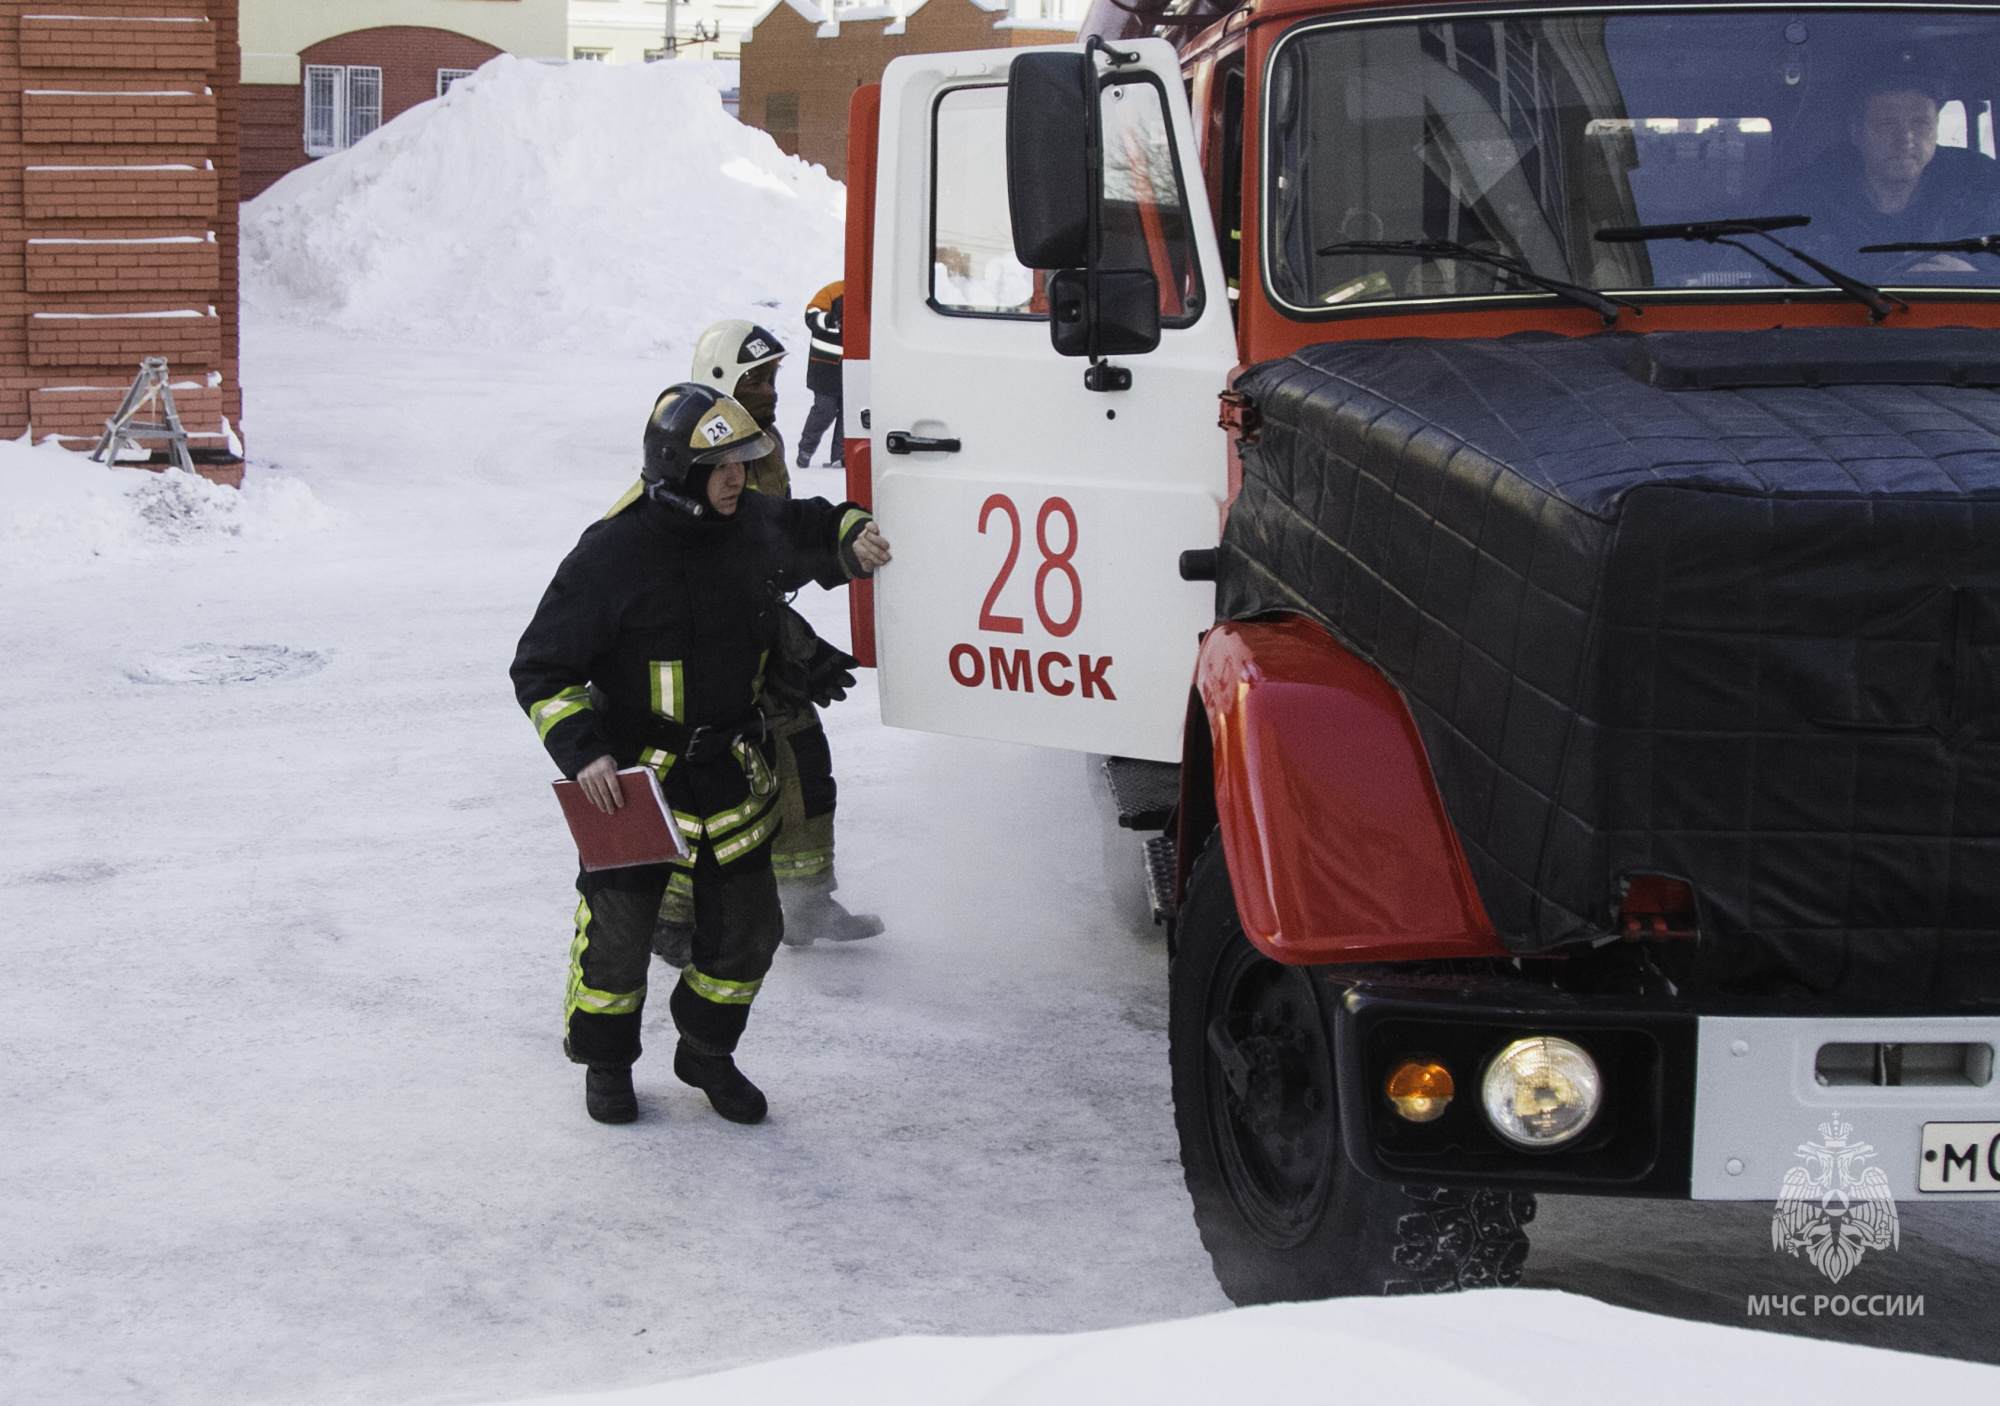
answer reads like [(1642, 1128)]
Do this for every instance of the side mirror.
[(1128, 312), (1055, 197), (1051, 138)]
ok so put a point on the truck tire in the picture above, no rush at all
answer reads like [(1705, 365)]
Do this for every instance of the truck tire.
[(1281, 1210)]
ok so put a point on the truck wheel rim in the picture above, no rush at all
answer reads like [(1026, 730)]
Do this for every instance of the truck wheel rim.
[(1274, 1129)]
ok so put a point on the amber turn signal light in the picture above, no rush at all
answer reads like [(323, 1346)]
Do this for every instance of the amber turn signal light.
[(1421, 1089)]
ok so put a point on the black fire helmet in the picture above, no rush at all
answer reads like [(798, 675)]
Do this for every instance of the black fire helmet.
[(692, 429)]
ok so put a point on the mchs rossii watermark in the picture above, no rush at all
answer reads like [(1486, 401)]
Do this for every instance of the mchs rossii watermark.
[(1838, 1305), (1832, 1210)]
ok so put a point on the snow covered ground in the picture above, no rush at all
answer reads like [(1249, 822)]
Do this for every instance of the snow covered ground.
[(284, 915), (281, 965), (1500, 1348)]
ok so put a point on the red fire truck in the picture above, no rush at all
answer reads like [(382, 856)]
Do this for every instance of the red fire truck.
[(1571, 665)]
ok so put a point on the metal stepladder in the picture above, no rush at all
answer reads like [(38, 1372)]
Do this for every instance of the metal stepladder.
[(149, 387)]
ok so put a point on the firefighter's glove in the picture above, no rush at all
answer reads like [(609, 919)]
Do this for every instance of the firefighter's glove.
[(829, 673)]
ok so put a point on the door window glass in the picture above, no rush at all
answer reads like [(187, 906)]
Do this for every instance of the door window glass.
[(973, 268), (1146, 222), (1145, 209)]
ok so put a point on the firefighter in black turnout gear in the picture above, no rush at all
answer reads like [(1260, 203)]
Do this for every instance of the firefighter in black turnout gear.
[(741, 360), (649, 649)]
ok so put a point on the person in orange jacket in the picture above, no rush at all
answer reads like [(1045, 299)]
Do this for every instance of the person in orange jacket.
[(823, 315)]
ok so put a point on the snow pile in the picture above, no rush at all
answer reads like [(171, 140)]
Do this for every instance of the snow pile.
[(614, 208), (60, 510), (1505, 1347)]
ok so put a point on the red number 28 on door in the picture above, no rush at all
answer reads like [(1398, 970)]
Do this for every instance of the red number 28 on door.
[(1053, 563)]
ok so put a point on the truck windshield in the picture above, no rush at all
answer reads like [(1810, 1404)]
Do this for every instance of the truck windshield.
[(1524, 135)]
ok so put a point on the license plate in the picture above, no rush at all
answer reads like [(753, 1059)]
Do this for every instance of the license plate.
[(1960, 1157)]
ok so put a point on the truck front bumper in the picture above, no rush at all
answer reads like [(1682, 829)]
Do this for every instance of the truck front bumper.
[(1712, 1106)]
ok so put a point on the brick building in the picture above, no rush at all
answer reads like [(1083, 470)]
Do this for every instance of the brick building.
[(801, 64), (118, 193), (319, 75)]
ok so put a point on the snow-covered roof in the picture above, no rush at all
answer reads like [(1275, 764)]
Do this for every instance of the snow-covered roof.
[(806, 10), (898, 15)]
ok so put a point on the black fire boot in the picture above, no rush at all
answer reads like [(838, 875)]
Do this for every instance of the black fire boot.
[(607, 1093), (729, 1093)]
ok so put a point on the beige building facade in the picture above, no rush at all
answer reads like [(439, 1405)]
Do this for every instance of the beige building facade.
[(635, 31), (318, 75)]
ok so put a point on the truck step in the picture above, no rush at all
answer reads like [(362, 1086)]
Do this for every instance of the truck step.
[(1145, 792), (1160, 862)]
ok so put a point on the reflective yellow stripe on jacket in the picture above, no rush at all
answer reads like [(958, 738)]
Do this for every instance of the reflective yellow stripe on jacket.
[(550, 711), (669, 688)]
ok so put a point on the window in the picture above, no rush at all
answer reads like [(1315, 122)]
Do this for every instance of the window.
[(1522, 136), (973, 268), (1145, 215), (590, 55), (1145, 211), (1229, 207), (781, 113), (343, 105), (364, 103), (449, 76)]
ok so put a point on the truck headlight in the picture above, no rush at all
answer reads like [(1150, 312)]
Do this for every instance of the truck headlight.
[(1541, 1092)]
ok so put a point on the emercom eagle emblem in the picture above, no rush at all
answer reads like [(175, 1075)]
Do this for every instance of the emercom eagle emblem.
[(1832, 1208)]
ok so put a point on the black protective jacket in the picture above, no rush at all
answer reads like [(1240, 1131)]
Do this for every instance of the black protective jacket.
[(659, 623)]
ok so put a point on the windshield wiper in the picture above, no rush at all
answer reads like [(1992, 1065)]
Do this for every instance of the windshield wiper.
[(1878, 303), (1606, 308), (1975, 244)]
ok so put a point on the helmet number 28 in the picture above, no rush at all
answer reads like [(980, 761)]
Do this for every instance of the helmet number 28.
[(1012, 670), (1052, 562)]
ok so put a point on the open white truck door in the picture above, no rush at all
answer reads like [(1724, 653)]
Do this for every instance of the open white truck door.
[(1035, 595)]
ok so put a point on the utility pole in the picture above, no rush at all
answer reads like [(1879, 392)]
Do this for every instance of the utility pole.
[(673, 44)]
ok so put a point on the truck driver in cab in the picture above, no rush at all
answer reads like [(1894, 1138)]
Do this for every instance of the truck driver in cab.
[(1892, 182)]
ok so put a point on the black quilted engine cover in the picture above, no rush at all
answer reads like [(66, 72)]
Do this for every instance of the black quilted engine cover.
[(1749, 638)]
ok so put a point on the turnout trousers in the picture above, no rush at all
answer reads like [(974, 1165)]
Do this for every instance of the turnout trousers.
[(803, 849), (738, 925), (807, 792)]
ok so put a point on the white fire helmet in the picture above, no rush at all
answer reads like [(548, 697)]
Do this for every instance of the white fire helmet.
[(728, 349)]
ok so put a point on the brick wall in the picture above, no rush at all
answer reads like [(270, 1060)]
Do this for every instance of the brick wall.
[(98, 190), (123, 38), (118, 189), (177, 118), (805, 83), (177, 263), (274, 117)]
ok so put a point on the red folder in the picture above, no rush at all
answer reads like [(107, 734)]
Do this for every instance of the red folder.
[(642, 831)]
